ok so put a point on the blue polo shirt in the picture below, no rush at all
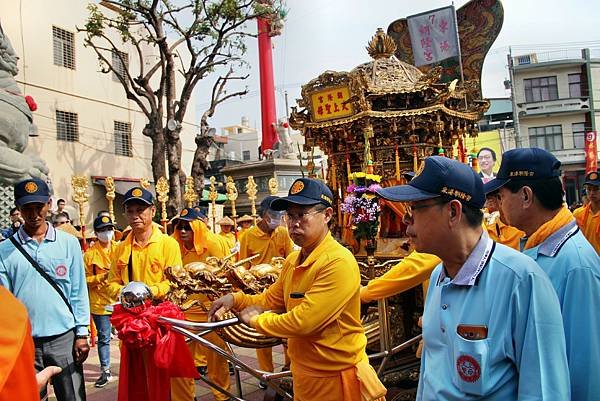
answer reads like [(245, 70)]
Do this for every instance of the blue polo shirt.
[(574, 270), (493, 332), (59, 255)]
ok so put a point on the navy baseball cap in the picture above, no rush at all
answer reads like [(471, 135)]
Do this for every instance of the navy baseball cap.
[(32, 190), (440, 176), (524, 164), (101, 222), (139, 194), (265, 204), (593, 178), (188, 214), (305, 191)]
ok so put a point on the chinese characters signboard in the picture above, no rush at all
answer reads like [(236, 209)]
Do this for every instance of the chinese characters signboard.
[(331, 104), (591, 152), (433, 36)]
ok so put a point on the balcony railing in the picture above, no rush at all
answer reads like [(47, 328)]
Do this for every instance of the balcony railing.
[(553, 106)]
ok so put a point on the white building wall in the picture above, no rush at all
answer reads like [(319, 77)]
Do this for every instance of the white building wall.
[(95, 97)]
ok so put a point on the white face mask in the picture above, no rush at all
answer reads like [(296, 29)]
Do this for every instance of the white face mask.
[(274, 219), (105, 236)]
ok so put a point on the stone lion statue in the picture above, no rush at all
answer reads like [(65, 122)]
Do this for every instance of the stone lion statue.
[(15, 123)]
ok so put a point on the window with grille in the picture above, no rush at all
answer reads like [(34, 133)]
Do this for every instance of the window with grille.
[(64, 48), (67, 126), (120, 64), (246, 155), (549, 138), (123, 139), (578, 135), (540, 89)]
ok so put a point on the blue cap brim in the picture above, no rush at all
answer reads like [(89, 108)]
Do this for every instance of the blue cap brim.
[(284, 203), (405, 193), (593, 182), (494, 185), (104, 225), (138, 199), (185, 218), (31, 199)]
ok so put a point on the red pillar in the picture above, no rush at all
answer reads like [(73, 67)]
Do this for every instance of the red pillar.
[(267, 86)]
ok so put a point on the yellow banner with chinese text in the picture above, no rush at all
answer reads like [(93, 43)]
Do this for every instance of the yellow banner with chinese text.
[(331, 104)]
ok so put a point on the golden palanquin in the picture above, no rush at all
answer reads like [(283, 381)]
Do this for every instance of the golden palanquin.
[(394, 113)]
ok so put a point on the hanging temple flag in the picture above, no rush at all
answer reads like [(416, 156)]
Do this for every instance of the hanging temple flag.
[(433, 35), (591, 152)]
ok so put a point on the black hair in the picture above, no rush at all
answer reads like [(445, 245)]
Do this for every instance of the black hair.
[(62, 214), (489, 150), (549, 191), (12, 210), (60, 200)]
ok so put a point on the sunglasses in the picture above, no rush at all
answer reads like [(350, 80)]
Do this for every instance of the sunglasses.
[(183, 227)]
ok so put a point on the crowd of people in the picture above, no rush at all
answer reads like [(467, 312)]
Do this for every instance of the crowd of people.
[(509, 272)]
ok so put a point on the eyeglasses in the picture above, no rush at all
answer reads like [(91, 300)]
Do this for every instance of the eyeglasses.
[(409, 218), (183, 227), (592, 188), (292, 217)]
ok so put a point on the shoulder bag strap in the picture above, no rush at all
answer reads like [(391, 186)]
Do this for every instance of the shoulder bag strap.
[(41, 272)]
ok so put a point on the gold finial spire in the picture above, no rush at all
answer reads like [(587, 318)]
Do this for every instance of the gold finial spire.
[(162, 190), (273, 186), (109, 184), (190, 195), (381, 45)]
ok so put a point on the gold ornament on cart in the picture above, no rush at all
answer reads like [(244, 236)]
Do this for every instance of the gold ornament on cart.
[(80, 196), (212, 197), (162, 190), (252, 190), (109, 185), (190, 195)]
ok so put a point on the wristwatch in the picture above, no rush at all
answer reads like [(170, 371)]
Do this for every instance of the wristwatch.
[(82, 337)]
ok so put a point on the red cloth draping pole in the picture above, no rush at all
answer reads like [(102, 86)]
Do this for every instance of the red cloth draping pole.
[(151, 353), (267, 86)]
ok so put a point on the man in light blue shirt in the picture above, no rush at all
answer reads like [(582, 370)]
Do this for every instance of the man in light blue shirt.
[(58, 326), (531, 196), (492, 327)]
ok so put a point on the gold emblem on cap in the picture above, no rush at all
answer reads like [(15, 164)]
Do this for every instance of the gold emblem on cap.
[(137, 192), (593, 176), (184, 212), (31, 187), (105, 219), (297, 187)]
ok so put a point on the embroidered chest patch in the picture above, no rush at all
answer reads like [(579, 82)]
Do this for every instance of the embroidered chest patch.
[(468, 368), (60, 270)]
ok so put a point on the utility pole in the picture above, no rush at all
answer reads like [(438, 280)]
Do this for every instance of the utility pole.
[(513, 99)]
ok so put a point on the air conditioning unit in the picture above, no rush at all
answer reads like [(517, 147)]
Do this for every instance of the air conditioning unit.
[(526, 59)]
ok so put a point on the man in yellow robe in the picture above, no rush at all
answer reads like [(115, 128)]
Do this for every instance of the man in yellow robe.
[(319, 293), (197, 243), (588, 216)]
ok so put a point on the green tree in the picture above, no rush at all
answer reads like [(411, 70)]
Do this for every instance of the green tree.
[(193, 38)]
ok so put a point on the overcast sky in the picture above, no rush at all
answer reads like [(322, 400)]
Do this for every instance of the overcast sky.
[(332, 35)]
